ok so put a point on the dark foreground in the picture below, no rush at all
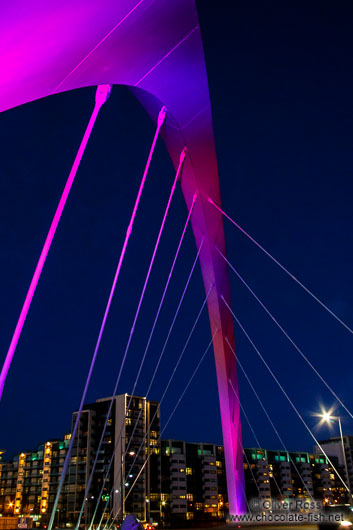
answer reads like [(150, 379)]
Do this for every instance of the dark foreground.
[(234, 526)]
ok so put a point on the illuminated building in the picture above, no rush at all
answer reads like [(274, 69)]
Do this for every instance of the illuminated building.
[(29, 481), (164, 480), (333, 448), (133, 431), (277, 474), (193, 481)]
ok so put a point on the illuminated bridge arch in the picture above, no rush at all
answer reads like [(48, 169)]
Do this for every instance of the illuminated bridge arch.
[(154, 47)]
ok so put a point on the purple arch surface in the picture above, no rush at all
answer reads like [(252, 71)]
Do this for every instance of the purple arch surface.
[(154, 47)]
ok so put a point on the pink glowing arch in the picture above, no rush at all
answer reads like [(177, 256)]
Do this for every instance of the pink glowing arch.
[(154, 47)]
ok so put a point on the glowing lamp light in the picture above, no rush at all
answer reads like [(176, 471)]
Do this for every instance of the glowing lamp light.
[(346, 523), (126, 484), (327, 417)]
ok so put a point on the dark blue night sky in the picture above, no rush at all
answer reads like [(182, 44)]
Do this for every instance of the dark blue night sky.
[(281, 86)]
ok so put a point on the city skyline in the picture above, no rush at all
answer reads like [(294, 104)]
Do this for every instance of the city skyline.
[(166, 481), (8, 454)]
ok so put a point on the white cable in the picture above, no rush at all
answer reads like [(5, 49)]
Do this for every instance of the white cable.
[(179, 359), (149, 341), (253, 433), (285, 394), (179, 400), (284, 269), (286, 334), (268, 417)]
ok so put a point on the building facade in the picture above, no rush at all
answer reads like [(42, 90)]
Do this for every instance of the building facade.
[(112, 460), (334, 450), (119, 465), (284, 475), (28, 483), (128, 458), (193, 481)]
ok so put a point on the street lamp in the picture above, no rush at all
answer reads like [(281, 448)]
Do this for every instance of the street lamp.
[(326, 416)]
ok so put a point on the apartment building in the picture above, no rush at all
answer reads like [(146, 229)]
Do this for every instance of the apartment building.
[(333, 448), (29, 482), (119, 465), (128, 459), (193, 481), (115, 455), (137, 457), (280, 474)]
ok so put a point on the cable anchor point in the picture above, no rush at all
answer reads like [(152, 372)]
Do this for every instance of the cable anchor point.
[(183, 155), (102, 94), (162, 116)]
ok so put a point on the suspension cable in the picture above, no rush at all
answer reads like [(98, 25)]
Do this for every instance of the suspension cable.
[(161, 118), (174, 318), (286, 334), (160, 356), (180, 398), (182, 158), (170, 380), (163, 296), (268, 417), (173, 411), (145, 353), (332, 313), (102, 94), (251, 471), (167, 338), (172, 375), (285, 393), (236, 394)]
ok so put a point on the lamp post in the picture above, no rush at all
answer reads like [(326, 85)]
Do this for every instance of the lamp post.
[(326, 416)]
